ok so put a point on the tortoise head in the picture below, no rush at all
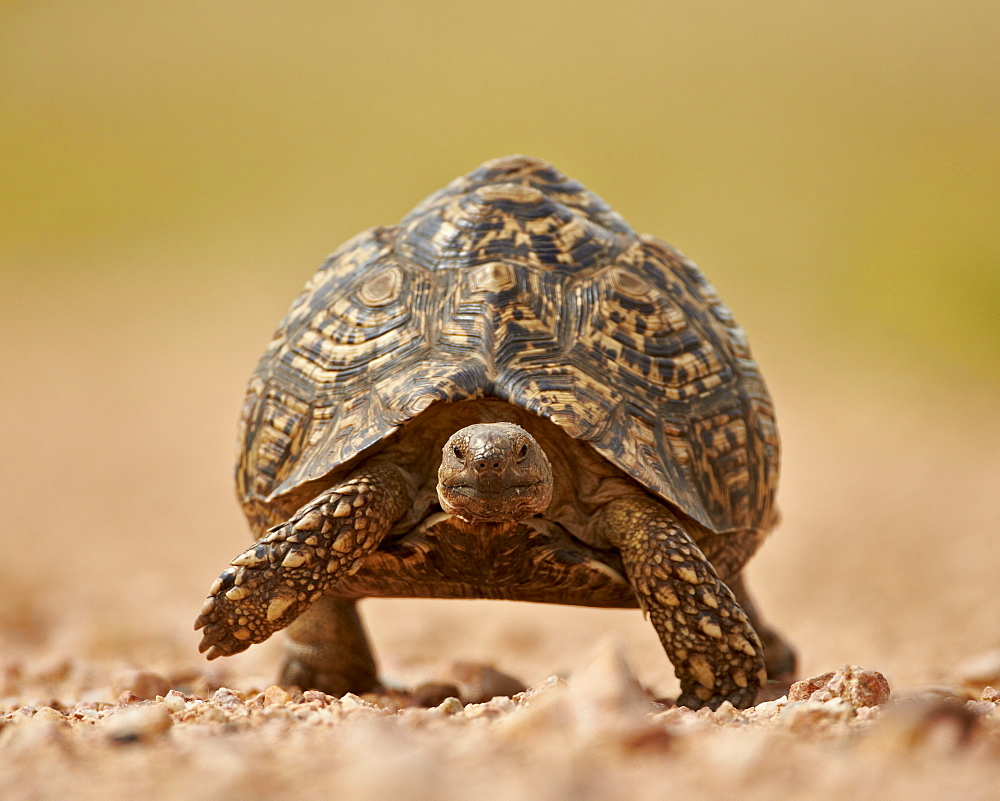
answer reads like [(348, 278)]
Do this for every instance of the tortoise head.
[(493, 472)]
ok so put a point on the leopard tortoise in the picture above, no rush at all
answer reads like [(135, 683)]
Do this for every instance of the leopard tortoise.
[(509, 395)]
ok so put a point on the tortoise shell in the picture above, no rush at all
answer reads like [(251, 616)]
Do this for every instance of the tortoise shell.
[(517, 283)]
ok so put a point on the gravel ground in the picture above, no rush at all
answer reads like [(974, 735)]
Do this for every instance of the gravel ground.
[(597, 735), (118, 513)]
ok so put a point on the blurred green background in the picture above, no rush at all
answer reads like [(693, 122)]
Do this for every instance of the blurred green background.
[(832, 166), (172, 173)]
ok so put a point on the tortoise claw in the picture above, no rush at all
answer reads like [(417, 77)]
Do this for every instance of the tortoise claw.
[(740, 698), (251, 603), (211, 652)]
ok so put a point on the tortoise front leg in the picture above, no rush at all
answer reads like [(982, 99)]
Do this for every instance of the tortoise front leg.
[(715, 652), (274, 581)]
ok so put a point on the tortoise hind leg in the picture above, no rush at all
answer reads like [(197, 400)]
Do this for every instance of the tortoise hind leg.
[(327, 650), (715, 652), (779, 656)]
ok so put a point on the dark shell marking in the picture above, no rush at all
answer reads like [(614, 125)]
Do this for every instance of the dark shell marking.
[(515, 282)]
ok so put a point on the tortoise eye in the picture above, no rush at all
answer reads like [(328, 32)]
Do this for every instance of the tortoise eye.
[(523, 451), (459, 453)]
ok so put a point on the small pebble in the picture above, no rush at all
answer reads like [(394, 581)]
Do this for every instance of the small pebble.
[(806, 716), (771, 708), (542, 708), (205, 712), (142, 684), (726, 712), (432, 694), (48, 713), (229, 698), (858, 686), (315, 695), (981, 708), (480, 683), (135, 723), (175, 701), (351, 701), (275, 695), (450, 706), (492, 709)]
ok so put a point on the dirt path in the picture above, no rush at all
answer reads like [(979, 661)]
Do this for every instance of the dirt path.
[(118, 513)]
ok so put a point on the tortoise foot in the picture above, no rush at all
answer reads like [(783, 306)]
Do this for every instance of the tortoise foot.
[(249, 602), (278, 578), (741, 699)]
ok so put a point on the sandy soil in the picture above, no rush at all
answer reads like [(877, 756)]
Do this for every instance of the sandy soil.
[(118, 513)]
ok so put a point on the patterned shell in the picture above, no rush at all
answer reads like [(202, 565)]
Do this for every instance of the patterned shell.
[(515, 282)]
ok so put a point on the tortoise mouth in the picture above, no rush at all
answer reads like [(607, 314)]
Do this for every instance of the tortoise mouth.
[(471, 491), (512, 502)]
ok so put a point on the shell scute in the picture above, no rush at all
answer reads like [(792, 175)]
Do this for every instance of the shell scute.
[(515, 282)]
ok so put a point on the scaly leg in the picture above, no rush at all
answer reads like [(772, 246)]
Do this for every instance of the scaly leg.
[(715, 652), (327, 649), (273, 582)]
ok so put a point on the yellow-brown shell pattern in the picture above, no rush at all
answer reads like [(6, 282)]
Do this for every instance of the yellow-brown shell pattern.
[(516, 282)]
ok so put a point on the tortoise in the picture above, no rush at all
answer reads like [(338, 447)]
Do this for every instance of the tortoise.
[(509, 395)]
